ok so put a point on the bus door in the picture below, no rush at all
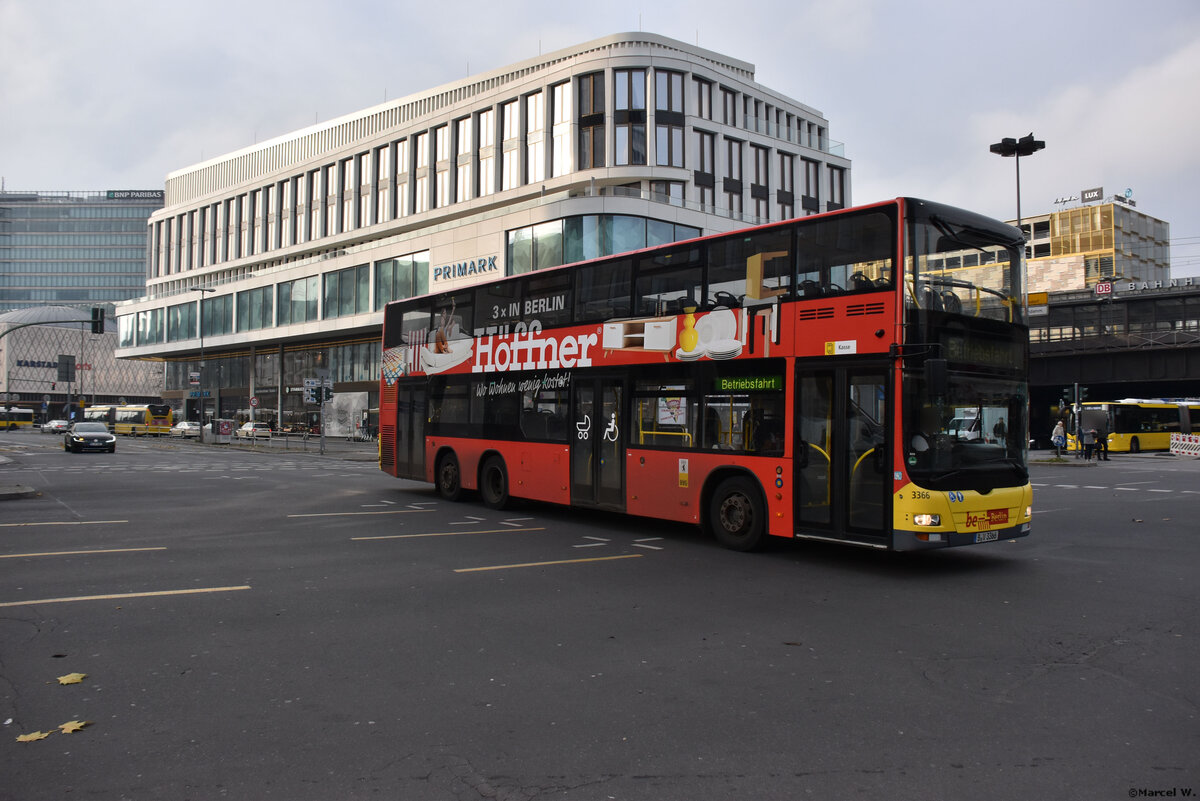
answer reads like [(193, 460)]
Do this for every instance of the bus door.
[(598, 442), (411, 413), (842, 483)]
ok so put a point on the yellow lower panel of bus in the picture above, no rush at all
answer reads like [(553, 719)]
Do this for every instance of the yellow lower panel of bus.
[(959, 517)]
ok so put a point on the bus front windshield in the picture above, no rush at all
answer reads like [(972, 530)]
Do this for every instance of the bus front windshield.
[(966, 351), (963, 264)]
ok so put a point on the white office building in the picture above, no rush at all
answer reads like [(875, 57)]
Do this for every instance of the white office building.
[(274, 263)]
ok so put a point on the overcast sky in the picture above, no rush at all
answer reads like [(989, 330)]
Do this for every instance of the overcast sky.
[(103, 94)]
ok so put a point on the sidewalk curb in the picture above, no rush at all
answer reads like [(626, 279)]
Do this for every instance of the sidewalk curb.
[(15, 491)]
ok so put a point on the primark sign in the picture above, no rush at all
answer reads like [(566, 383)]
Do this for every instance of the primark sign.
[(484, 265)]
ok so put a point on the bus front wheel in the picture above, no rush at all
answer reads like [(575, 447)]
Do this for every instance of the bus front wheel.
[(493, 483), (1135, 446), (449, 478), (737, 516)]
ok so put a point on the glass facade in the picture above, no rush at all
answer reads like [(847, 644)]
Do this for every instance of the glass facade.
[(575, 239), (73, 248)]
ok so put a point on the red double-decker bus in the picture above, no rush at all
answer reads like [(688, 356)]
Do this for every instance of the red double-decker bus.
[(794, 380)]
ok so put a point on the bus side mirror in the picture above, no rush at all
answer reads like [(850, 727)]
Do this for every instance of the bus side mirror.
[(936, 382)]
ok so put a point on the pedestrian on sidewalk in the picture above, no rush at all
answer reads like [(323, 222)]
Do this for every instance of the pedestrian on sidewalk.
[(1089, 444)]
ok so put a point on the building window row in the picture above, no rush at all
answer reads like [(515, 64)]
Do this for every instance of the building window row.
[(552, 131), (575, 239), (339, 293)]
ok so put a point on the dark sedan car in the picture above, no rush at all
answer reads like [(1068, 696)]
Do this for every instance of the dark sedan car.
[(89, 437)]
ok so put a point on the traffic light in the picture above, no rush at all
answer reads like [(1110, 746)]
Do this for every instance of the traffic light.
[(97, 319), (1082, 394), (326, 394), (53, 384)]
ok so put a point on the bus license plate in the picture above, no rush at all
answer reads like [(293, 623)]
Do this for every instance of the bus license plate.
[(987, 536)]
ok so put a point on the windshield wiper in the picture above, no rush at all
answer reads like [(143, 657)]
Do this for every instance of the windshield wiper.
[(969, 236)]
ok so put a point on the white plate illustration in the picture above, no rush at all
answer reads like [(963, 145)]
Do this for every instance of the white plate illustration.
[(724, 349), (723, 324)]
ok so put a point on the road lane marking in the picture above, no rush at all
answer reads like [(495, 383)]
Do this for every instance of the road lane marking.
[(541, 564), (447, 534), (64, 523), (641, 543), (120, 596), (73, 553), (352, 514)]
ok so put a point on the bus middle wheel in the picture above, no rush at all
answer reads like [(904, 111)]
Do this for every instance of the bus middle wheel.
[(493, 483), (449, 478), (737, 515)]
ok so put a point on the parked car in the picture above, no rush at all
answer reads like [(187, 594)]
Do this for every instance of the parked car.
[(185, 428), (253, 431), (89, 437), (55, 427)]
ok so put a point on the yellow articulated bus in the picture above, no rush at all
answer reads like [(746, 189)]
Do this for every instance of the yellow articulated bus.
[(101, 414), (12, 418), (1136, 425), (151, 418)]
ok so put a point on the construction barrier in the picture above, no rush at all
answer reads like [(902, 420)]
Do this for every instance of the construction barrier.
[(1185, 444)]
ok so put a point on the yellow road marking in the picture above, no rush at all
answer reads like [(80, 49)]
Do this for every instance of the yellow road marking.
[(557, 562), (448, 533), (64, 523), (351, 514), (72, 553), (120, 596)]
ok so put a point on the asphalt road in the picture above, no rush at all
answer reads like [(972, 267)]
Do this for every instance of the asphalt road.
[(258, 625)]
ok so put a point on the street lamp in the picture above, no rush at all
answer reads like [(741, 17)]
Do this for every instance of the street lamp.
[(1025, 146), (200, 325)]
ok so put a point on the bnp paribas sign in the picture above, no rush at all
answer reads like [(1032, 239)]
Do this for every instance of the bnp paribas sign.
[(136, 194)]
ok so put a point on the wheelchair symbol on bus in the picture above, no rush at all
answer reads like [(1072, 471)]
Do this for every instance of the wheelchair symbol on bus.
[(610, 433)]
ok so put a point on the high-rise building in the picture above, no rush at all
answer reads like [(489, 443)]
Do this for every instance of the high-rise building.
[(73, 248), (1077, 248), (273, 263), (79, 249)]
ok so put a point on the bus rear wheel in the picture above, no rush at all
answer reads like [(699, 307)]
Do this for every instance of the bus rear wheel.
[(449, 478), (1135, 446), (493, 483), (737, 515)]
